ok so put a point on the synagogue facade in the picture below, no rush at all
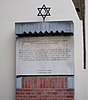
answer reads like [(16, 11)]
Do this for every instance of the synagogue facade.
[(43, 50)]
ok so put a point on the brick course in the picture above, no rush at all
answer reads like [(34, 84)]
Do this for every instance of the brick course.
[(44, 88)]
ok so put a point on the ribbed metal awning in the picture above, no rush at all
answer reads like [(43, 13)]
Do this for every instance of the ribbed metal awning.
[(52, 28)]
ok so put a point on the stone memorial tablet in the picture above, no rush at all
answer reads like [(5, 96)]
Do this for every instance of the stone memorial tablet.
[(44, 55)]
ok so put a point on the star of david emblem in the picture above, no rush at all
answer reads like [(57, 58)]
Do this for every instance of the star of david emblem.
[(44, 11)]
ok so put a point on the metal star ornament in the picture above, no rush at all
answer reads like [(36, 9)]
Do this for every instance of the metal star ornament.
[(44, 11)]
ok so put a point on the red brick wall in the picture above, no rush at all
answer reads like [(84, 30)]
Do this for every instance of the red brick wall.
[(44, 88)]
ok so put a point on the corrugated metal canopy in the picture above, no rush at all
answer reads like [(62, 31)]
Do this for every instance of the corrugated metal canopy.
[(52, 28)]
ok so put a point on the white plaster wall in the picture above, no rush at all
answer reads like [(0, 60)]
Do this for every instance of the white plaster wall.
[(12, 11), (86, 71), (86, 22)]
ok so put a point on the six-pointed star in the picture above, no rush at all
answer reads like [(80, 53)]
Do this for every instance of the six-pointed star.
[(44, 11)]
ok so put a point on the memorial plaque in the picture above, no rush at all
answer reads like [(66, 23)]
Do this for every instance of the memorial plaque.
[(44, 55)]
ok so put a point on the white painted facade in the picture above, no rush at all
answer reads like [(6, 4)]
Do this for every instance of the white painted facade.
[(12, 11)]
